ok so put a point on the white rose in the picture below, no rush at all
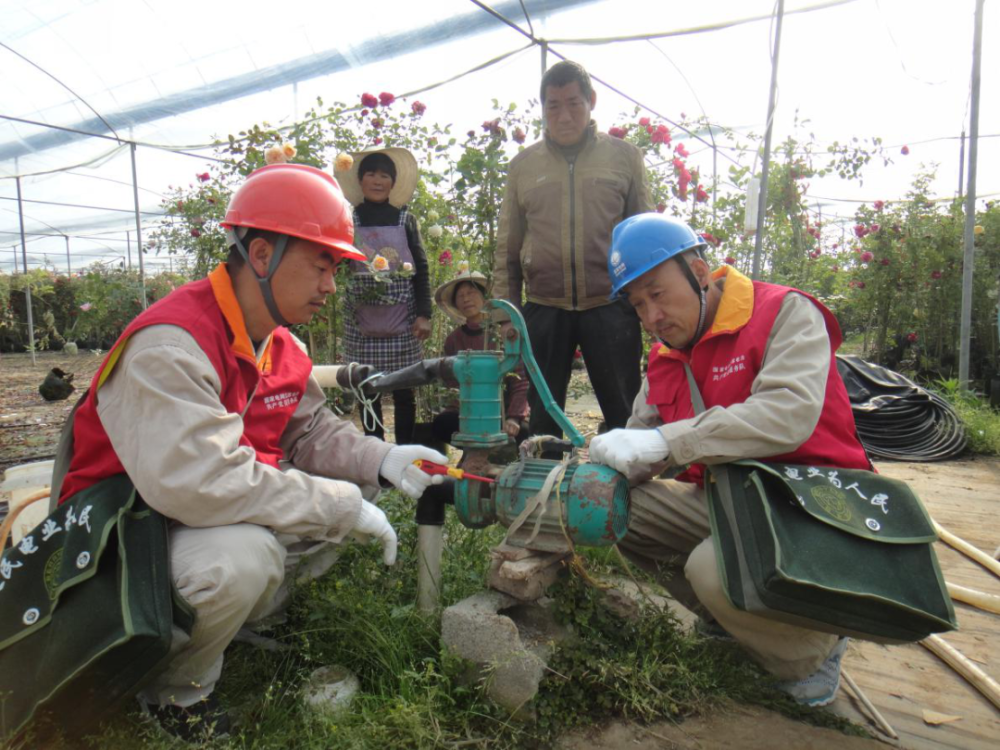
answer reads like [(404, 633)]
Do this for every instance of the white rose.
[(433, 216), (435, 231)]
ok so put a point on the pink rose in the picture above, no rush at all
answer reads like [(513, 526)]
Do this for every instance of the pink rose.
[(368, 100), (661, 207), (518, 135), (905, 150), (679, 149), (86, 306), (644, 121), (418, 108), (866, 257), (204, 177), (385, 99), (878, 205), (445, 258), (884, 261), (700, 196), (936, 274), (860, 230)]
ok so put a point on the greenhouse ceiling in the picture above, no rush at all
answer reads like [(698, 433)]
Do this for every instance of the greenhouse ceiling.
[(82, 79)]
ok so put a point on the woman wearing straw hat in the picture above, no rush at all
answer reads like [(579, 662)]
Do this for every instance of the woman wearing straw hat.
[(462, 299), (387, 302)]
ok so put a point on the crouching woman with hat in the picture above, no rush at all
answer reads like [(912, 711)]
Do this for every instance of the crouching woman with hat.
[(387, 302), (462, 299)]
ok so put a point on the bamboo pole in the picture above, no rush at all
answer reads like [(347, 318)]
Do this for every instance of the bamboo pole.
[(879, 719), (972, 674), (980, 599), (967, 549)]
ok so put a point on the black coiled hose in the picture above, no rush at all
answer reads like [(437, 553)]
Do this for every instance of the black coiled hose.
[(896, 418)]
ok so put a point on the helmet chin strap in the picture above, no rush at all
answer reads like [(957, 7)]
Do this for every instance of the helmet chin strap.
[(702, 302), (264, 282)]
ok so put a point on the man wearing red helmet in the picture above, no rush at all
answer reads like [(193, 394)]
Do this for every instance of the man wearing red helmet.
[(207, 403)]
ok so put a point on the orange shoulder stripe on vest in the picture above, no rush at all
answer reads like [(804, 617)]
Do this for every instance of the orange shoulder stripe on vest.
[(222, 288)]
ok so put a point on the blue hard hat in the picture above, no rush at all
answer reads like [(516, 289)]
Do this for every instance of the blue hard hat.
[(644, 241)]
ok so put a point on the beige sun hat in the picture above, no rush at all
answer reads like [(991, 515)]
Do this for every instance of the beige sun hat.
[(406, 176), (444, 296)]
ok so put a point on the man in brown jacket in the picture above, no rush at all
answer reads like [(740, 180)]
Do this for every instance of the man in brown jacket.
[(564, 196)]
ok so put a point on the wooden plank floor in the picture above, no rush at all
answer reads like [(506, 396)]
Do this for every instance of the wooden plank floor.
[(902, 681)]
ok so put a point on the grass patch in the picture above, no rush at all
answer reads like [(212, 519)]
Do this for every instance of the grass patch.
[(361, 615), (982, 421)]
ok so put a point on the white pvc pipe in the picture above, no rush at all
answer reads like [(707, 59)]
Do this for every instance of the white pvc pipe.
[(430, 541), (326, 375)]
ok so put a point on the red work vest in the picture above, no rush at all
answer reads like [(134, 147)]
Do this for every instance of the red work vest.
[(726, 362), (207, 310)]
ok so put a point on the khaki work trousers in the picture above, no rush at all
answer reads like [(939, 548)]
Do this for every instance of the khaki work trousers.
[(669, 536), (231, 576)]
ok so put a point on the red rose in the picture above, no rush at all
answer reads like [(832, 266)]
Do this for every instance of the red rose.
[(657, 137), (678, 164), (878, 205), (860, 230), (204, 177), (866, 257), (577, 354), (644, 121), (211, 201), (936, 274), (711, 239), (385, 99), (884, 261), (911, 337), (730, 260), (661, 207), (518, 135), (874, 228), (471, 134), (377, 140), (679, 149), (418, 108), (649, 128), (364, 113), (616, 132), (180, 205), (905, 150), (368, 100), (700, 196), (195, 232), (445, 258)]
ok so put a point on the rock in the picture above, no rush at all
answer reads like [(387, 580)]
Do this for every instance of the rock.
[(57, 385), (509, 641)]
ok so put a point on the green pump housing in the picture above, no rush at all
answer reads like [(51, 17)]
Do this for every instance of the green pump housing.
[(590, 505)]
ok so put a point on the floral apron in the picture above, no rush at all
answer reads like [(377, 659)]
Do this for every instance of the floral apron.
[(380, 307)]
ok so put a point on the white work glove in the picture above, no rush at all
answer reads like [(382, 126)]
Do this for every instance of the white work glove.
[(629, 451), (398, 469), (372, 522)]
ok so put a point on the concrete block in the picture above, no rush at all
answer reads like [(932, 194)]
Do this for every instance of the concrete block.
[(508, 640)]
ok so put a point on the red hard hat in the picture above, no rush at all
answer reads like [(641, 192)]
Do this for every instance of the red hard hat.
[(297, 200)]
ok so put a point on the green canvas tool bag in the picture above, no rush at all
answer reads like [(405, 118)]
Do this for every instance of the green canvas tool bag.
[(842, 551), (87, 608)]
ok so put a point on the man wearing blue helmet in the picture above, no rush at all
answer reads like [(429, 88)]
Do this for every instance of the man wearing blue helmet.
[(762, 357)]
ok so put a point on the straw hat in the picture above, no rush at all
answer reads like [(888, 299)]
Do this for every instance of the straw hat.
[(444, 296), (402, 188)]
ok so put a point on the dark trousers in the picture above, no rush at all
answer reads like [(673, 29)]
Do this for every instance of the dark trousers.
[(610, 338), (406, 416)]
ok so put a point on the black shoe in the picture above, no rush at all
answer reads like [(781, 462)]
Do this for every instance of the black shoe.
[(203, 721)]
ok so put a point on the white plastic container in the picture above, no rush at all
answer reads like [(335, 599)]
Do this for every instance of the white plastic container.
[(330, 690), (20, 483)]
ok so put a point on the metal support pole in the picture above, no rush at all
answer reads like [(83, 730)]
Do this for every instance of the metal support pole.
[(545, 54), (138, 230), (128, 250), (762, 202), (970, 202), (27, 280), (961, 167), (69, 267)]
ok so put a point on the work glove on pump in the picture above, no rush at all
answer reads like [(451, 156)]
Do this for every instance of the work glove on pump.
[(372, 522), (398, 469), (630, 452)]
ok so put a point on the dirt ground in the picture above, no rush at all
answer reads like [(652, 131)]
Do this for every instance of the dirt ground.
[(903, 681)]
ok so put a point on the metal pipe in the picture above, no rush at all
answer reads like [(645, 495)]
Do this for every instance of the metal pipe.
[(69, 267), (138, 229), (27, 280), (762, 200), (961, 167), (970, 203)]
